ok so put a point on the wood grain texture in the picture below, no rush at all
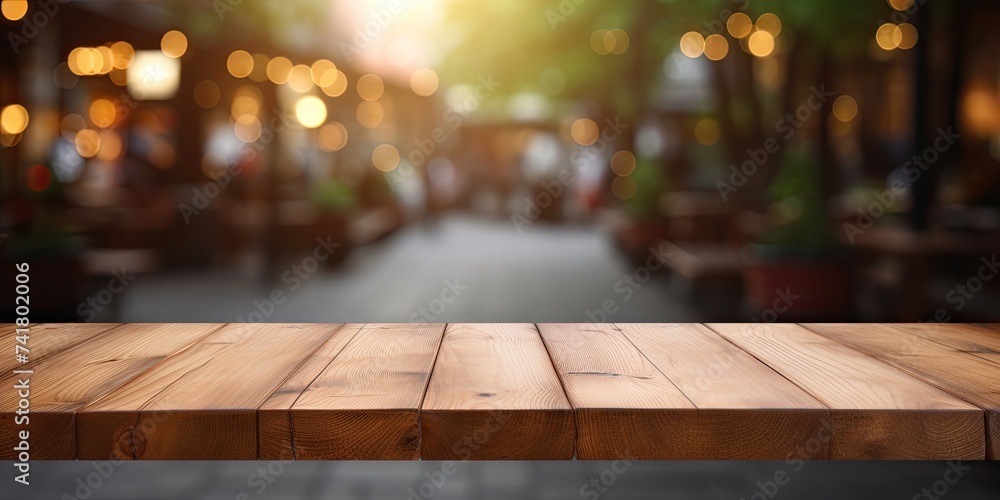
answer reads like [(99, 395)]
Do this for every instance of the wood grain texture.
[(979, 341), (755, 413), (364, 405), (494, 395), (878, 411), (625, 408), (50, 338), (64, 382), (954, 370), (200, 404), (274, 436)]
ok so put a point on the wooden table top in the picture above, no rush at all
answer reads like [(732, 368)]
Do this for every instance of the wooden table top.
[(507, 391)]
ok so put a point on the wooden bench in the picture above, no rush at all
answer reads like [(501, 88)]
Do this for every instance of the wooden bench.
[(507, 391)]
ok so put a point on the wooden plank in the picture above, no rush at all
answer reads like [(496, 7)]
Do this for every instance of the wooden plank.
[(750, 411), (274, 436), (878, 411), (48, 338), (200, 404), (625, 408), (494, 395), (978, 341), (66, 381), (365, 404), (967, 376)]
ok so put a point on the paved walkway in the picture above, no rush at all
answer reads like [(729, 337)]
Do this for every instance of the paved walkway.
[(460, 269), (505, 480)]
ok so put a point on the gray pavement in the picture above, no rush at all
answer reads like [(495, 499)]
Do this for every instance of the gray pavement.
[(547, 273)]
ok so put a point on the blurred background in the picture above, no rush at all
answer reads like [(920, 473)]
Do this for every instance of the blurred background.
[(454, 160)]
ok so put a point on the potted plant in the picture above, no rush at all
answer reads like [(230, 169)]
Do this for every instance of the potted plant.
[(797, 268), (335, 202), (40, 239), (646, 224)]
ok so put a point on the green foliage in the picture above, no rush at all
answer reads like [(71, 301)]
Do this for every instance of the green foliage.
[(650, 183), (799, 208), (334, 196), (517, 40)]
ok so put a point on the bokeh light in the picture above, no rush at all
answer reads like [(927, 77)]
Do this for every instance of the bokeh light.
[(424, 82), (601, 42), (845, 108), (111, 146), (122, 55), (240, 63), (900, 4), (370, 114), (279, 70), (707, 132), (248, 128), (739, 25), (246, 101), (908, 36), (692, 44), (770, 23), (310, 111), (385, 157), (323, 73), (716, 47), (761, 43), (620, 41), (88, 142), (91, 60), (338, 87), (174, 44), (584, 131), (332, 137), (623, 163), (888, 36), (370, 87), (119, 77), (301, 79), (14, 9), (14, 119), (103, 113)]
